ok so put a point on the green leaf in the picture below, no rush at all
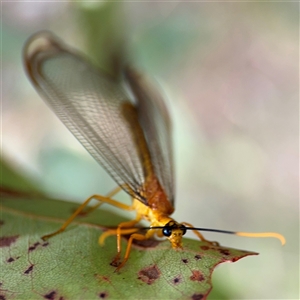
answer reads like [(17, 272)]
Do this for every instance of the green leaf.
[(72, 265)]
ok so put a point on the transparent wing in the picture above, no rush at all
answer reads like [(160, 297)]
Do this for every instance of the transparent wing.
[(156, 124), (98, 111)]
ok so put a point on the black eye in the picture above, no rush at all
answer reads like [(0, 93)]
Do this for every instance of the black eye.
[(183, 229), (167, 231)]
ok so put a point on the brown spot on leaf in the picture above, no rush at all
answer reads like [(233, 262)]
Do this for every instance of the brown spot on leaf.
[(197, 256), (197, 297), (1, 222), (177, 280), (6, 241), (149, 274), (185, 260), (103, 295), (205, 247), (2, 297), (115, 263), (197, 276), (29, 270), (105, 278), (45, 244), (33, 247), (50, 296), (11, 259), (224, 251), (102, 278)]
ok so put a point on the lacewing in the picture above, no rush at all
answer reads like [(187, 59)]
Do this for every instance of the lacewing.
[(125, 126)]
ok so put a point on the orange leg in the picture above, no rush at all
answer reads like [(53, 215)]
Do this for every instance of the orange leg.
[(134, 236), (128, 224), (109, 195), (101, 199), (119, 232), (109, 232), (200, 236)]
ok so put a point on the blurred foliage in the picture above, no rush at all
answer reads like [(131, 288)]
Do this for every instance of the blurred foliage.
[(12, 180), (104, 31)]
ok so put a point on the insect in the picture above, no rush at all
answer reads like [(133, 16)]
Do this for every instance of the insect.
[(127, 131)]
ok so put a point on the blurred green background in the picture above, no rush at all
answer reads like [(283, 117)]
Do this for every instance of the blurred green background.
[(230, 75)]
